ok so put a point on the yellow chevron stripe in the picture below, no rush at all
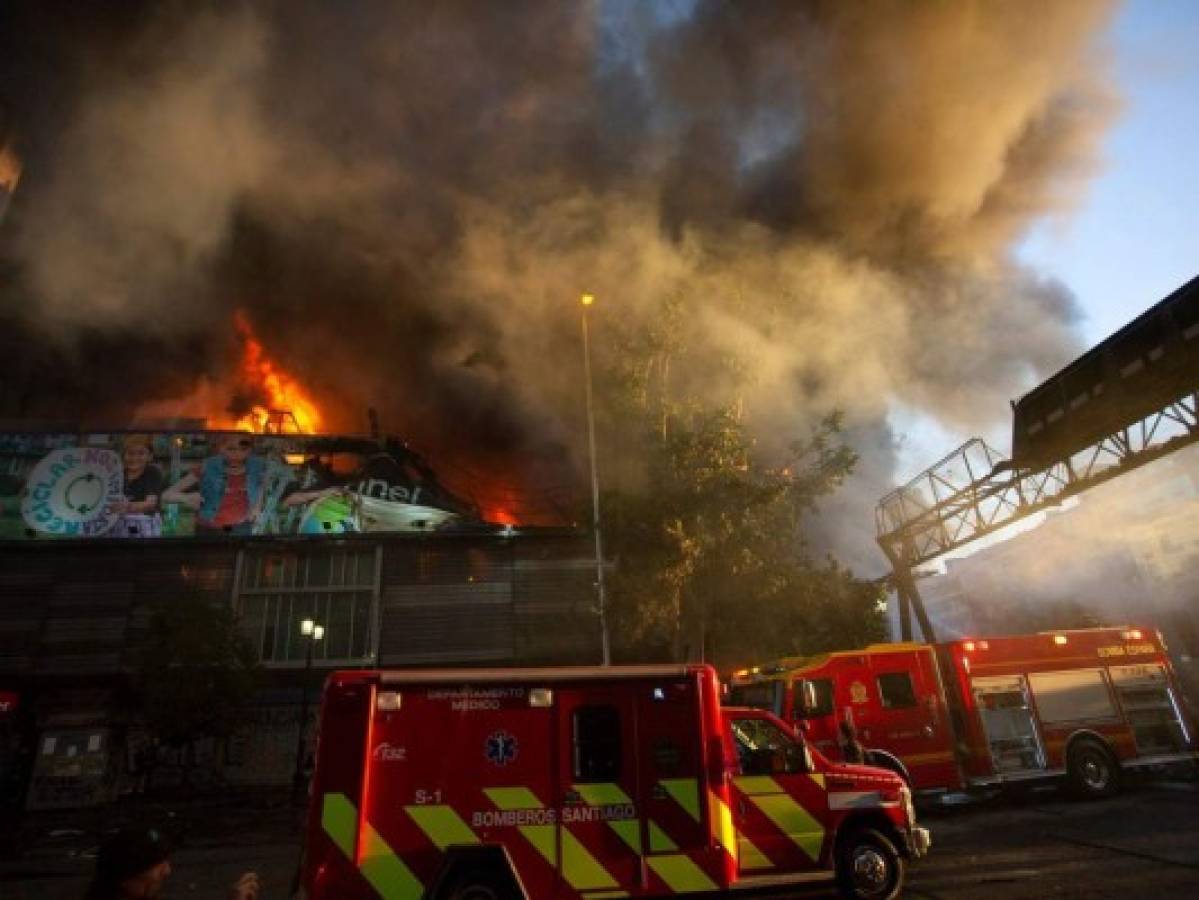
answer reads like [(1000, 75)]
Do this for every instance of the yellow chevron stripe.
[(685, 792), (629, 831), (513, 798), (680, 873), (442, 825), (582, 870), (751, 856), (339, 818), (659, 840), (794, 821), (723, 829), (380, 865), (385, 870), (757, 784), (606, 794)]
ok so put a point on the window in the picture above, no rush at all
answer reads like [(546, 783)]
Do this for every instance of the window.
[(764, 695), (824, 699), (763, 749), (596, 744), (337, 587), (895, 689)]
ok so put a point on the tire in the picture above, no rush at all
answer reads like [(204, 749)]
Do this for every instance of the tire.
[(1091, 771), (481, 884), (868, 866)]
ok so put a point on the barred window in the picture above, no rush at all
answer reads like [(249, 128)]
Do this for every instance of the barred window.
[(336, 587)]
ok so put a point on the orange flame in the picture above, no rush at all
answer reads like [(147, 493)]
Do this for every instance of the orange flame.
[(285, 394)]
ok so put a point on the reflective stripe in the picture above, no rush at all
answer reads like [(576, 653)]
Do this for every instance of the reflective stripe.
[(723, 829), (630, 832), (385, 870), (513, 798), (608, 794), (680, 873), (580, 869), (751, 856), (380, 865), (818, 777), (757, 784), (659, 840), (602, 794), (685, 792), (339, 818), (793, 820), (441, 825)]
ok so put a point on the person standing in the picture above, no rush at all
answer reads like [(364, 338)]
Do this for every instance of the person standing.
[(135, 864)]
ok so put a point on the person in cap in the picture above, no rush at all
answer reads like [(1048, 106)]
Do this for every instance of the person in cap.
[(135, 864)]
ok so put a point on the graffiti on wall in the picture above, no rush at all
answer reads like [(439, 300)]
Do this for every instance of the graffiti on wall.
[(175, 484)]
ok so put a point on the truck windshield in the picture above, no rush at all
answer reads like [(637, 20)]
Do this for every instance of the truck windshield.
[(767, 695)]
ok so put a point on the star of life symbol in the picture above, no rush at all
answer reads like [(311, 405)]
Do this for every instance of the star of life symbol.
[(501, 748)]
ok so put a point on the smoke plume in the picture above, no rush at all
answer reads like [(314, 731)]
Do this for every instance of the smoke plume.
[(407, 200)]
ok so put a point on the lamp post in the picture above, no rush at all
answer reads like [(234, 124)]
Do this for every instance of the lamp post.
[(585, 302), (312, 632)]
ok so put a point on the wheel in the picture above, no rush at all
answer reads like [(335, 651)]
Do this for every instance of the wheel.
[(868, 866), (1092, 771), (481, 884)]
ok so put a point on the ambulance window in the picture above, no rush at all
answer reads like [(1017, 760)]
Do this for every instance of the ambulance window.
[(596, 744), (895, 688)]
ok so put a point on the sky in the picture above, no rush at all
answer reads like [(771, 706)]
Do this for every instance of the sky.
[(1133, 236)]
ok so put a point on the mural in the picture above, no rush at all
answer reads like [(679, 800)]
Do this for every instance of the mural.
[(138, 485)]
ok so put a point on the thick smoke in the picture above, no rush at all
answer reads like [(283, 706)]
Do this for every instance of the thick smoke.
[(407, 199)]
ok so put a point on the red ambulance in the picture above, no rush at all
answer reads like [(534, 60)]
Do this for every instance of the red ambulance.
[(1079, 705), (584, 782)]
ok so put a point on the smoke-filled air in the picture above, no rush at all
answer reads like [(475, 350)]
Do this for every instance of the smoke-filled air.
[(405, 200)]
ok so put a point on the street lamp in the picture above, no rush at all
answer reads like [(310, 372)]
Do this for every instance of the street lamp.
[(313, 632), (585, 302)]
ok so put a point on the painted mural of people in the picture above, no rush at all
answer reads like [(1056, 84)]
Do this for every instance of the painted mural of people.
[(142, 487), (226, 490)]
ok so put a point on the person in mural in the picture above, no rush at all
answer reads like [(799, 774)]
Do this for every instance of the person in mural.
[(135, 864), (226, 490), (143, 485)]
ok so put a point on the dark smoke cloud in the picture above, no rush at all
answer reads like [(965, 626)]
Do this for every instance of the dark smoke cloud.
[(408, 198)]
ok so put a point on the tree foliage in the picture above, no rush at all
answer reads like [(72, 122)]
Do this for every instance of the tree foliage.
[(196, 672), (708, 532)]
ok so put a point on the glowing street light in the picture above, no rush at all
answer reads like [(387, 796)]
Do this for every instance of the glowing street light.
[(585, 302), (313, 632)]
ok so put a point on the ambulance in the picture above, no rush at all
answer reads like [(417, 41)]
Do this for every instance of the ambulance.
[(622, 781), (1076, 706)]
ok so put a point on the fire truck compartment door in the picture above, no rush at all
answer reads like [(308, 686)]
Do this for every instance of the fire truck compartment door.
[(1007, 720)]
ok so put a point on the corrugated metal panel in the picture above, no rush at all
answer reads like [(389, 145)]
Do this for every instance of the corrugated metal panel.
[(433, 624)]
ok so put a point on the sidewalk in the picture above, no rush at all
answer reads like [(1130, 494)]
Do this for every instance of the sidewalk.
[(215, 840)]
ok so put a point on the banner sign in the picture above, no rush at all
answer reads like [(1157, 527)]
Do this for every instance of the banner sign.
[(181, 484)]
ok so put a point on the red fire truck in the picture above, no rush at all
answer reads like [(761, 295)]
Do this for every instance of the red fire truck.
[(583, 782), (1080, 705)]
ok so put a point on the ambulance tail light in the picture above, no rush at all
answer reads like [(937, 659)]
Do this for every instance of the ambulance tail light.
[(388, 701), (971, 646), (1133, 634), (541, 697), (1060, 639)]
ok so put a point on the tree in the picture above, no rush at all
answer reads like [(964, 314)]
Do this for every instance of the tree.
[(708, 533), (196, 673)]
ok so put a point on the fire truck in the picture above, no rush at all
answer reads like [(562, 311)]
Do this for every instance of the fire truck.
[(595, 782), (1076, 706)]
